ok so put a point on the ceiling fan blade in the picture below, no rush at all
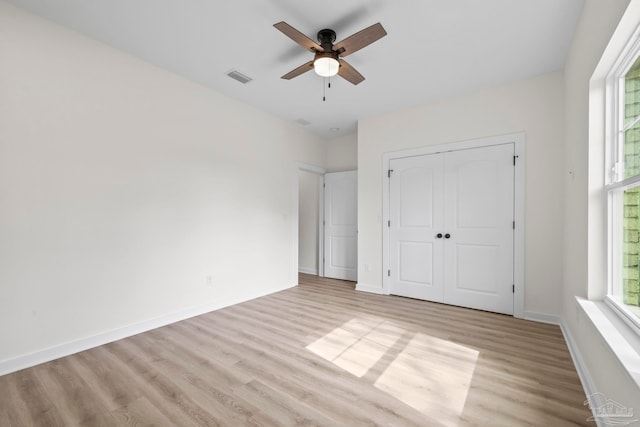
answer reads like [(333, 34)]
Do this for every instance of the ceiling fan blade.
[(347, 72), (297, 71), (361, 39), (298, 37)]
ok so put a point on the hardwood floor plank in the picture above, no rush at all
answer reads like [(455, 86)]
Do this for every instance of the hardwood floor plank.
[(319, 354), (106, 378), (278, 409), (30, 402), (138, 412), (59, 378), (159, 388), (208, 384)]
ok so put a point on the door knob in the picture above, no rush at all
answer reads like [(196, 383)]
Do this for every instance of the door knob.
[(446, 236), (439, 235)]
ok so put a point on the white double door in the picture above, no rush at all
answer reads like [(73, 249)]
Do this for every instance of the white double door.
[(451, 227)]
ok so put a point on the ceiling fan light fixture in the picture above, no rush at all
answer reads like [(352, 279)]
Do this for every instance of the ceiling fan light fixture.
[(328, 60), (326, 66)]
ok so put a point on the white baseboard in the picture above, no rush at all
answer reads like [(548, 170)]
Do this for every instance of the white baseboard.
[(306, 270), (581, 367), (371, 289), (48, 354), (541, 317)]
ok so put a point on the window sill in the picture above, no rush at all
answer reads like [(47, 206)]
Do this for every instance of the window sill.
[(630, 315), (623, 341)]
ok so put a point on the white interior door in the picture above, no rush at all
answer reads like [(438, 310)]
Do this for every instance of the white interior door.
[(478, 217), (451, 227), (416, 200), (340, 229)]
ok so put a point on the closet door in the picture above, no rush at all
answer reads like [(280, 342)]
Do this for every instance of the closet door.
[(478, 217), (451, 227), (416, 199)]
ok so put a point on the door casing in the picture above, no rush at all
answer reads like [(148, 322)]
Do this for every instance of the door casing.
[(306, 167)]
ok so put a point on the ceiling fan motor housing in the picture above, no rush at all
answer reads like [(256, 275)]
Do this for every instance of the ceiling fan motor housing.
[(326, 36)]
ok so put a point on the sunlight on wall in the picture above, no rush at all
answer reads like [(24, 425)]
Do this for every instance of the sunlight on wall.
[(430, 374)]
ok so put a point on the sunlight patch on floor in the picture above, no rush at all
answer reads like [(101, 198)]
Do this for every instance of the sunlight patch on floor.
[(357, 345), (430, 374)]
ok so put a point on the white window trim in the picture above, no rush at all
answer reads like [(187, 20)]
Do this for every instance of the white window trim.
[(614, 93), (623, 341), (615, 183), (618, 307), (601, 310)]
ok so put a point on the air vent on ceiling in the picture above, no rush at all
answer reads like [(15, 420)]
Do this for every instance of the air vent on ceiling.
[(303, 122), (236, 75)]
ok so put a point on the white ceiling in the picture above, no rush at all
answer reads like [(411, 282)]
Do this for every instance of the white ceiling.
[(434, 48)]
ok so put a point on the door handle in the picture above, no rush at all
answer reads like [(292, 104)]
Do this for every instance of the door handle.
[(439, 236), (446, 236)]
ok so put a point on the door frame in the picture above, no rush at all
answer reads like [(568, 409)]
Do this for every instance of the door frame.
[(320, 171), (518, 139), (327, 222)]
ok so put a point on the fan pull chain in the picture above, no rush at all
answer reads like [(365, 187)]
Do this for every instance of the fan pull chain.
[(324, 88), (324, 91)]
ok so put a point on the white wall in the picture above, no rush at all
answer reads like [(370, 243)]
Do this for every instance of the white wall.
[(534, 106), (123, 186), (342, 153), (308, 222), (584, 226)]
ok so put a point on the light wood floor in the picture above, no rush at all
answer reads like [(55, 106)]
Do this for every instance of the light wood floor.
[(318, 354)]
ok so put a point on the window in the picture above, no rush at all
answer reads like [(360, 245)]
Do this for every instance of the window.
[(623, 188)]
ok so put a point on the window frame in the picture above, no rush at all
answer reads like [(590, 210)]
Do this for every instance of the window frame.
[(615, 181)]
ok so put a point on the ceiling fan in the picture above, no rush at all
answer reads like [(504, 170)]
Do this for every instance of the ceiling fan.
[(328, 61)]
